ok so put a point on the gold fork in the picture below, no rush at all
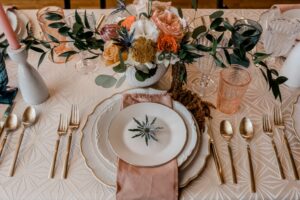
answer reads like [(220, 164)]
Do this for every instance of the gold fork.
[(267, 127), (73, 125), (279, 123), (61, 130)]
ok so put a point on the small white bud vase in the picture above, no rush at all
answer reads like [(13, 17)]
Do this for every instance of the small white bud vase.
[(32, 86), (291, 68)]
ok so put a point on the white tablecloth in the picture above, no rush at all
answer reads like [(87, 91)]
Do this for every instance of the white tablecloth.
[(67, 86)]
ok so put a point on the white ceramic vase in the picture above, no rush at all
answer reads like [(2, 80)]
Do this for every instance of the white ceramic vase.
[(132, 81), (291, 68), (32, 86)]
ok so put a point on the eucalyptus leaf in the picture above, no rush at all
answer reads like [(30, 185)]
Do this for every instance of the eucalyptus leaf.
[(86, 21), (216, 14), (64, 30), (53, 16), (197, 31), (57, 25), (41, 58), (53, 39), (121, 81), (37, 49), (217, 22), (120, 68), (105, 81), (78, 18), (228, 26)]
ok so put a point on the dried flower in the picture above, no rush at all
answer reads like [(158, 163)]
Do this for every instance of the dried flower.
[(143, 50), (128, 21), (169, 23), (109, 31), (167, 43), (158, 5), (111, 53)]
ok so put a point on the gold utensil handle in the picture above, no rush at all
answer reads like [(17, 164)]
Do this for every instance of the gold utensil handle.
[(2, 145), (278, 160), (65, 169), (12, 169), (291, 157), (253, 189), (51, 174), (217, 162), (232, 165)]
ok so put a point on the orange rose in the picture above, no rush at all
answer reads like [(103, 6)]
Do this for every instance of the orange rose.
[(128, 21), (111, 53), (167, 43)]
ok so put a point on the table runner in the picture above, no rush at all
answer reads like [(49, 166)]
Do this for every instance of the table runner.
[(67, 86)]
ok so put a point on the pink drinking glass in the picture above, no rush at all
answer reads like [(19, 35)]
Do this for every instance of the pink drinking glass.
[(44, 24), (233, 84)]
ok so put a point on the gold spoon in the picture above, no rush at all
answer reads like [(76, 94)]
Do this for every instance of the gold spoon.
[(10, 125), (227, 133), (28, 119), (247, 131)]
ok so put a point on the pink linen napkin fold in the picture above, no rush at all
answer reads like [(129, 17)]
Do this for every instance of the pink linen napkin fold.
[(147, 183), (285, 7)]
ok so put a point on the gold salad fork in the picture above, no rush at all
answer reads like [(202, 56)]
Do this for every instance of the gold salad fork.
[(279, 123), (267, 128), (61, 130), (73, 125)]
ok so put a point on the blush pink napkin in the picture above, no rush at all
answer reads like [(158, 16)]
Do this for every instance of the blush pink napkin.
[(286, 7), (147, 183)]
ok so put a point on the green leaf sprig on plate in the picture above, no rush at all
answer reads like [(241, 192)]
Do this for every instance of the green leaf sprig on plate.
[(146, 129)]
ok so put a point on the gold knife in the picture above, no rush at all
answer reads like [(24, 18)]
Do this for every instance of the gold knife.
[(5, 115), (215, 154)]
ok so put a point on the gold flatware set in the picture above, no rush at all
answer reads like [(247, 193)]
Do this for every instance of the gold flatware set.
[(246, 130)]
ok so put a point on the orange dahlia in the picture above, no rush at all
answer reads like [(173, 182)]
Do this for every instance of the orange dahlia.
[(167, 43), (128, 21)]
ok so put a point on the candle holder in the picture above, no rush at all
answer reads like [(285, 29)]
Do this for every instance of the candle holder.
[(32, 86)]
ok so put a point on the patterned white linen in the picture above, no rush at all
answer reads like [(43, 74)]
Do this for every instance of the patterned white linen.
[(67, 86)]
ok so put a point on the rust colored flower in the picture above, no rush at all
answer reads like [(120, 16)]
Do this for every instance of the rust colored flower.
[(111, 53), (167, 43), (143, 50), (128, 21)]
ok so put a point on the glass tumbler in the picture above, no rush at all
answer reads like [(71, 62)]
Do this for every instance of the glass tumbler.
[(84, 64), (233, 84), (42, 16), (280, 36)]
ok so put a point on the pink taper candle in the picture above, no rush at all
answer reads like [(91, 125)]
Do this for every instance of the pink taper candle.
[(8, 31)]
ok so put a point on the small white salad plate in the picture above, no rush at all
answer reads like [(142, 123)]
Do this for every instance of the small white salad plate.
[(168, 140)]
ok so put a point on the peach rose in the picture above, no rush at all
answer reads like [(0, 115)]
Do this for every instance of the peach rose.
[(111, 53), (167, 43), (109, 31), (169, 23), (128, 21)]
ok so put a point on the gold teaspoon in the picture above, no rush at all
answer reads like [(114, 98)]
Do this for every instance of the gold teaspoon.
[(226, 131), (247, 131), (10, 125), (29, 117)]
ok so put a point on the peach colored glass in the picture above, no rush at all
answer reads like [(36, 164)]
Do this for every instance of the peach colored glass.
[(60, 48), (233, 84)]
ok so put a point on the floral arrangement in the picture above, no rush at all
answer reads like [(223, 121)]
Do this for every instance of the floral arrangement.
[(149, 36)]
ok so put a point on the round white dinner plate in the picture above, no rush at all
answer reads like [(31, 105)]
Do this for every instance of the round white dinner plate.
[(101, 160), (171, 136)]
